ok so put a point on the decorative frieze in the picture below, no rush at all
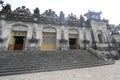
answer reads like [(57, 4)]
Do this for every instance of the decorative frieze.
[(19, 27), (73, 31), (49, 29)]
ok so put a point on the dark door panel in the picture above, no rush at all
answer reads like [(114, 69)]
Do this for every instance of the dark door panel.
[(19, 43)]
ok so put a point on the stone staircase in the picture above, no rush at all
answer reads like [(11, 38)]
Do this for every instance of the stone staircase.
[(22, 62)]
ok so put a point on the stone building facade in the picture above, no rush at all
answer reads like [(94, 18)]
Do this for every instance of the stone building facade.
[(21, 30)]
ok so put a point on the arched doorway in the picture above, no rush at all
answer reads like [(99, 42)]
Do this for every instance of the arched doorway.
[(18, 38), (74, 39), (100, 36), (48, 39)]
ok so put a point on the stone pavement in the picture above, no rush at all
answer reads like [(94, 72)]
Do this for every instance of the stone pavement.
[(107, 72)]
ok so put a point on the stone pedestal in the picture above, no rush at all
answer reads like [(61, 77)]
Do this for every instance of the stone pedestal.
[(2, 49), (33, 47), (64, 47)]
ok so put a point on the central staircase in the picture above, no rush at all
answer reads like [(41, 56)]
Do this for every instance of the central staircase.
[(29, 62)]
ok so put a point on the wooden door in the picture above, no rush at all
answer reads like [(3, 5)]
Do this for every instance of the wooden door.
[(48, 41), (74, 41), (11, 43)]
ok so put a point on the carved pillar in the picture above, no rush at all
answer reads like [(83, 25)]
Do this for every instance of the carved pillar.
[(63, 41)]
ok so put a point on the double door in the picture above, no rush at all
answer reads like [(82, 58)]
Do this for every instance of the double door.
[(48, 41), (74, 41), (17, 40)]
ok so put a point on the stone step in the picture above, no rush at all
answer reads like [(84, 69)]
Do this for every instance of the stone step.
[(18, 63), (45, 68), (48, 63), (44, 65), (43, 62)]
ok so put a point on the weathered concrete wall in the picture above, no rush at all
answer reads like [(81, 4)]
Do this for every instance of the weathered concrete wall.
[(8, 26)]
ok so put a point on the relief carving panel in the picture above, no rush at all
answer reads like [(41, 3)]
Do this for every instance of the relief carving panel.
[(19, 28), (49, 29), (73, 31)]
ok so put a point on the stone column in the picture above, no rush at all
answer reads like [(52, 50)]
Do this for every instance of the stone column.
[(63, 40)]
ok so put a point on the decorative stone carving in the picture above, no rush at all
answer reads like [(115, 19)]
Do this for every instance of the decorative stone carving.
[(73, 31), (99, 31), (62, 15), (86, 43), (61, 18), (106, 20), (36, 11), (49, 29), (93, 15), (20, 14), (1, 2), (82, 21), (19, 27), (50, 14), (34, 32), (33, 41), (48, 17), (33, 35), (63, 41), (62, 33), (22, 11), (72, 20), (6, 8)]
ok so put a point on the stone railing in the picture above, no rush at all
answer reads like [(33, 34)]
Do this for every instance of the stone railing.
[(101, 54), (102, 44)]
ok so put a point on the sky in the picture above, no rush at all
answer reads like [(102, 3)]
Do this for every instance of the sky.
[(109, 8)]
